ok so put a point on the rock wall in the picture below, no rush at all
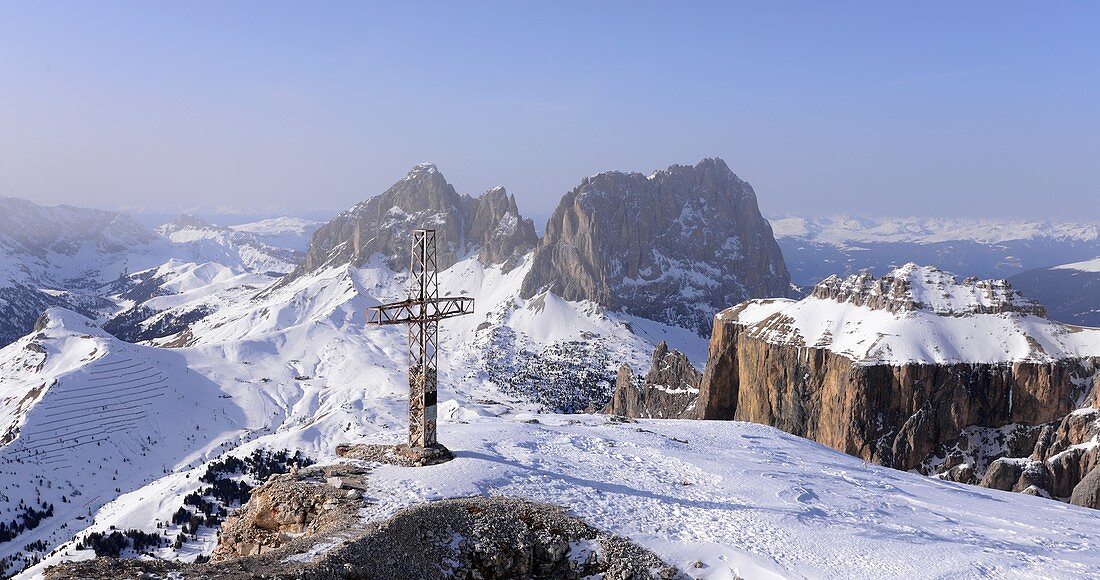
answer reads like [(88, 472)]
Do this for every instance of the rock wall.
[(490, 225), (675, 246), (668, 391), (891, 415)]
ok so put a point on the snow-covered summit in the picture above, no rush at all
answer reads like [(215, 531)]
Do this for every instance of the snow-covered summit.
[(916, 314), (913, 287)]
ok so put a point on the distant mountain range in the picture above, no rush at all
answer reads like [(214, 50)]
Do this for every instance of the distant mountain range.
[(817, 247)]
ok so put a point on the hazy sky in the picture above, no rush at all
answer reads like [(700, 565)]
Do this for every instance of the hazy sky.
[(951, 108)]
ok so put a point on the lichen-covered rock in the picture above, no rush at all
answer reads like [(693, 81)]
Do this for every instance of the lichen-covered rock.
[(668, 391), (675, 246)]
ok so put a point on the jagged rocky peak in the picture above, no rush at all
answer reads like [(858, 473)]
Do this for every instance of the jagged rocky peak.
[(674, 246), (668, 391), (912, 287), (490, 226)]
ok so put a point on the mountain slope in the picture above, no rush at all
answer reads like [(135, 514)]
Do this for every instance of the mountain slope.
[(81, 259), (1070, 291), (675, 246), (272, 247)]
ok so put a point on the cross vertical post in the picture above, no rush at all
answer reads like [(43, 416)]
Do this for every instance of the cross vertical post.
[(423, 342), (422, 311)]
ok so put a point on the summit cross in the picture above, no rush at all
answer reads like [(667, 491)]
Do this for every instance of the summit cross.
[(422, 311)]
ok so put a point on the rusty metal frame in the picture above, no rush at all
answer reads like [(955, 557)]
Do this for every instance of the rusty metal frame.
[(422, 311)]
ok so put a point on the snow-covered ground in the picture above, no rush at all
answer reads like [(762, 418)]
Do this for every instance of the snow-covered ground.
[(750, 501), (295, 367), (741, 500)]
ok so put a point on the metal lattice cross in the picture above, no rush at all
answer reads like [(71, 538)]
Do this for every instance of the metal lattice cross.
[(422, 311)]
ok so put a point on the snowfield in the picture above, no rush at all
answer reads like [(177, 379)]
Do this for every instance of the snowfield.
[(750, 501), (721, 500)]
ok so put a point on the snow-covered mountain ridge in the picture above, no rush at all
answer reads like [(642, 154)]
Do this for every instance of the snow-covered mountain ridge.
[(80, 258), (815, 247), (842, 229), (916, 315)]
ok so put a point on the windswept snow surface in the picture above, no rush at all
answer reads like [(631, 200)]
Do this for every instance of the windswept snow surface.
[(750, 501)]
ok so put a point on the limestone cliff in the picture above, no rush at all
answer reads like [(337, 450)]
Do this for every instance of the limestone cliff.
[(490, 226), (668, 391), (915, 371), (675, 246)]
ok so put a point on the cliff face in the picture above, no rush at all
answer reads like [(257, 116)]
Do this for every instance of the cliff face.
[(490, 225), (668, 391), (893, 415), (675, 246), (878, 369)]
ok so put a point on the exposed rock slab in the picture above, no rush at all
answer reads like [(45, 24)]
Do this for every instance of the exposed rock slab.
[(668, 391), (675, 246), (490, 226)]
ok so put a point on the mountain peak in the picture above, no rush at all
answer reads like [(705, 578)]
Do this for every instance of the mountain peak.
[(422, 169), (913, 287), (489, 225), (675, 246), (187, 221)]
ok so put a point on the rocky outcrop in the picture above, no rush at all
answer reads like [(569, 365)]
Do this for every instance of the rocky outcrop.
[(812, 369), (322, 537), (668, 391), (490, 226), (675, 246), (291, 506), (939, 293)]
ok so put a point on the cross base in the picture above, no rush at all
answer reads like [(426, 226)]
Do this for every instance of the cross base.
[(402, 455)]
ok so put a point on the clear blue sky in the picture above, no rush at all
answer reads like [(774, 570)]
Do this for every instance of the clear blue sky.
[(953, 108)]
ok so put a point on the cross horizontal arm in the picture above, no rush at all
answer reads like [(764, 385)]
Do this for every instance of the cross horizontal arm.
[(408, 311)]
